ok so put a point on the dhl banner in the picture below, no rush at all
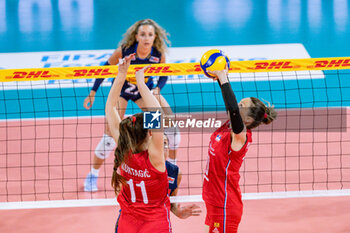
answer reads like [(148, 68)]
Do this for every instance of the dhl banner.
[(8, 75)]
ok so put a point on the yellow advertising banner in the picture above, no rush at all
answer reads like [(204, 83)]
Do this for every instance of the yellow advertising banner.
[(9, 75)]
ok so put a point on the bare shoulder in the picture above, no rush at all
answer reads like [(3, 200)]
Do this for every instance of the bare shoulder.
[(116, 55), (163, 58)]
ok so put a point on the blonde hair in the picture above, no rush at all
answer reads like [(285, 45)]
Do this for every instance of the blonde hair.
[(161, 41)]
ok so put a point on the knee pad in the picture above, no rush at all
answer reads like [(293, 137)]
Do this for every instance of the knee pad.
[(105, 147), (174, 137)]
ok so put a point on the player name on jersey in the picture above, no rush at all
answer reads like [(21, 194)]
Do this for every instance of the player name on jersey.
[(135, 172)]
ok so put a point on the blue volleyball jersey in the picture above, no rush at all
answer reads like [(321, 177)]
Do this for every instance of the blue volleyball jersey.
[(153, 58), (173, 172)]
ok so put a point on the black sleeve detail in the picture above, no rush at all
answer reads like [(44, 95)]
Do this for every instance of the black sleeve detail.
[(232, 107)]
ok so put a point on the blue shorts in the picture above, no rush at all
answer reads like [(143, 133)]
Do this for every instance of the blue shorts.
[(131, 92)]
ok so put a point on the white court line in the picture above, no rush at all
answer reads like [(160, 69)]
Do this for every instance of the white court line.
[(178, 199), (55, 118)]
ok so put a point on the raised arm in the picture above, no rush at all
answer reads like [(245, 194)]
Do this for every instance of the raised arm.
[(238, 132), (112, 114), (156, 147)]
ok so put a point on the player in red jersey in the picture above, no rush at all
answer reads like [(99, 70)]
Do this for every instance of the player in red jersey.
[(139, 175), (174, 180), (227, 148)]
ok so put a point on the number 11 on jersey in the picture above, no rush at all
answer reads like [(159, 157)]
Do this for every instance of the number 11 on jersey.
[(143, 191)]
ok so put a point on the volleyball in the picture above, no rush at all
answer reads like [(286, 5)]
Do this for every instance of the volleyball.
[(214, 59)]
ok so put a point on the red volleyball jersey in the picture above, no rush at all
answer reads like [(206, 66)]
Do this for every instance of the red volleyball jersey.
[(221, 178), (145, 193)]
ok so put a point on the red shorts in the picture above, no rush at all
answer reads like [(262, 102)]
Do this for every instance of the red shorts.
[(221, 221), (127, 223)]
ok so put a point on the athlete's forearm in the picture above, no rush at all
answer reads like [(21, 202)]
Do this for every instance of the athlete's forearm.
[(175, 210), (162, 81), (99, 81), (147, 96), (114, 93), (232, 108)]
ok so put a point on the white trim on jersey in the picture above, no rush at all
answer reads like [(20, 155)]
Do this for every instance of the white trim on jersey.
[(226, 173), (168, 218)]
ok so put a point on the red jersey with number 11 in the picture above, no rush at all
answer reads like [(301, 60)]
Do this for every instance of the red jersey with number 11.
[(145, 194), (221, 178)]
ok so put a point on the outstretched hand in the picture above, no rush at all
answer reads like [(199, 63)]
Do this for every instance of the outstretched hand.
[(219, 74), (188, 210), (140, 75), (125, 63), (89, 100)]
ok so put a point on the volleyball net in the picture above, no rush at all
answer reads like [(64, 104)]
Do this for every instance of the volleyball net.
[(48, 139)]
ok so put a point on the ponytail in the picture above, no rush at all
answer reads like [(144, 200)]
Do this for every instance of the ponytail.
[(261, 113), (131, 138)]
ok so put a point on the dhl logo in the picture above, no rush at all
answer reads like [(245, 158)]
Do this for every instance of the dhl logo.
[(48, 74), (173, 69), (196, 68), (156, 70), (272, 65), (275, 65), (92, 72), (30, 75), (332, 63)]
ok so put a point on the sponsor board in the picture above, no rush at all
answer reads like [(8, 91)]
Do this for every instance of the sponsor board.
[(180, 61)]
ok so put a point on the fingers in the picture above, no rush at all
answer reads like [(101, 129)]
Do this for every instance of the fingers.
[(87, 104), (143, 69), (217, 72), (124, 63), (196, 212), (126, 60), (194, 206), (140, 74), (193, 210), (214, 73), (129, 58)]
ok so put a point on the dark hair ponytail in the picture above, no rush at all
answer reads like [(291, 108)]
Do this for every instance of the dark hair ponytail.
[(271, 115), (131, 138), (261, 113)]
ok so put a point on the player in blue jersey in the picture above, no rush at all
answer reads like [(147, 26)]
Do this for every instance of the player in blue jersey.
[(149, 42)]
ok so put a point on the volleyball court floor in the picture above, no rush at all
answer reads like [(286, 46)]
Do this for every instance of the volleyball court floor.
[(49, 159)]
